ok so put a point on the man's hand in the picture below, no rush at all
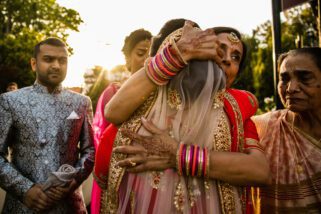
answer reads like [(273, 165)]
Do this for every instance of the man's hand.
[(36, 199), (59, 193)]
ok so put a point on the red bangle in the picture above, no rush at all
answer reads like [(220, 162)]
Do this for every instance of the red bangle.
[(194, 160), (204, 160)]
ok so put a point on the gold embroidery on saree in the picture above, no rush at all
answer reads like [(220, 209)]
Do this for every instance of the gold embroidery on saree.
[(109, 203), (101, 184), (179, 198), (174, 100), (132, 202), (239, 121), (222, 142), (155, 179)]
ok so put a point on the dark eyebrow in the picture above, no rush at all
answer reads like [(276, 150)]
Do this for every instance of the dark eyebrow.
[(237, 52), (224, 47), (54, 57), (303, 72)]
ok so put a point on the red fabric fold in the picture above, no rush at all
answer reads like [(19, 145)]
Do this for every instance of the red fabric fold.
[(103, 155)]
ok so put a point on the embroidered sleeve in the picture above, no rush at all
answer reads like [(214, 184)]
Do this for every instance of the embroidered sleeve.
[(251, 136), (87, 150), (11, 179)]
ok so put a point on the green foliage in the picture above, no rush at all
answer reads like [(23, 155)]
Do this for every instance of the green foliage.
[(99, 86), (260, 64), (245, 79), (23, 23)]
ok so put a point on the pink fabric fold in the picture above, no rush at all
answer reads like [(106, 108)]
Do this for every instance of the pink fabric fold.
[(99, 125)]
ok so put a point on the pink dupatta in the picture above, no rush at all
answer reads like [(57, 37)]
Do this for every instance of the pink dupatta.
[(99, 125)]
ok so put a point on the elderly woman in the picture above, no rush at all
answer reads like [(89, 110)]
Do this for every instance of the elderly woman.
[(197, 145), (292, 137)]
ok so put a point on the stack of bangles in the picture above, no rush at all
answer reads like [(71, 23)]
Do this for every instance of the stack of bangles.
[(165, 64), (192, 160)]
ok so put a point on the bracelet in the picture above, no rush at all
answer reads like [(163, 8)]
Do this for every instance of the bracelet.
[(192, 160), (200, 163), (178, 53), (187, 157), (164, 65), (207, 165)]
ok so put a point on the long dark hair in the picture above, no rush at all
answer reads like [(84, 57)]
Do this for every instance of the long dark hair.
[(169, 27), (133, 38)]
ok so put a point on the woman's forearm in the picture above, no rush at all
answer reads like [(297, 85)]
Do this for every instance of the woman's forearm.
[(239, 168), (129, 97)]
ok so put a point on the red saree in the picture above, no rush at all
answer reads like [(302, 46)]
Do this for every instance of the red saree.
[(239, 106)]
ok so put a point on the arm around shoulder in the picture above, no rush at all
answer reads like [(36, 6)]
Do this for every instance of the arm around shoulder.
[(129, 97)]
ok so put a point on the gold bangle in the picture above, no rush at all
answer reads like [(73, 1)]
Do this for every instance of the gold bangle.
[(207, 164), (187, 160), (200, 162)]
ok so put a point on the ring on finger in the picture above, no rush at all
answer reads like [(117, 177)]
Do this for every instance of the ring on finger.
[(132, 163)]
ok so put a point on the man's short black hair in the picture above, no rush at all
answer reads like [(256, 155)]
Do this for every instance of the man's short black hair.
[(49, 41)]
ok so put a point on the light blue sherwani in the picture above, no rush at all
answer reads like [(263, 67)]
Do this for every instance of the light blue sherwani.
[(43, 131)]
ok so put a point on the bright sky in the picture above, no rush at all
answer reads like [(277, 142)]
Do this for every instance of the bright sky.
[(108, 22)]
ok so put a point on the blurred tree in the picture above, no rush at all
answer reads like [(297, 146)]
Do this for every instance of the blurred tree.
[(297, 23), (23, 23), (245, 79)]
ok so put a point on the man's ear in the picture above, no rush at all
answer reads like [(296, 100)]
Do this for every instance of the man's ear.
[(33, 63)]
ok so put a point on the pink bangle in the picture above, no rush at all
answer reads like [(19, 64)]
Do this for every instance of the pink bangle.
[(191, 157), (194, 160), (183, 159)]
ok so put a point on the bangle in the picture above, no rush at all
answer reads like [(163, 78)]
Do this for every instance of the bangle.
[(151, 74), (187, 157), (178, 53), (204, 160), (194, 160), (191, 157), (200, 163), (207, 165), (164, 65), (183, 159)]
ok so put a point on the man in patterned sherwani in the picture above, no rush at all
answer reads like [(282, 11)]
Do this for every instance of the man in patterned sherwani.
[(45, 126)]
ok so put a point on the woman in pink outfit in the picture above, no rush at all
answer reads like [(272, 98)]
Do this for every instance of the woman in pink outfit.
[(136, 48)]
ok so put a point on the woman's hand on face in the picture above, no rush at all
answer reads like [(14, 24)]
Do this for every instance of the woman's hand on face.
[(155, 152), (198, 44)]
